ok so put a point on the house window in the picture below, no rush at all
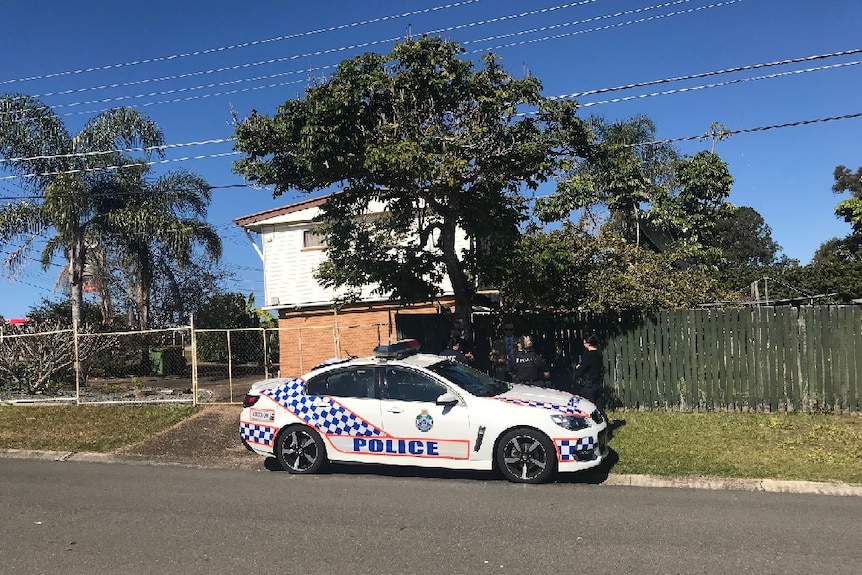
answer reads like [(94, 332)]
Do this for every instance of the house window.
[(312, 239)]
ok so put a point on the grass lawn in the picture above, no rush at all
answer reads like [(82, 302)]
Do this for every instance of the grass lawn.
[(812, 447), (99, 428), (776, 446)]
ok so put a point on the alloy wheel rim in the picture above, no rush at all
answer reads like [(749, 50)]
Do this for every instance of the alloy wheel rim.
[(299, 451), (525, 457)]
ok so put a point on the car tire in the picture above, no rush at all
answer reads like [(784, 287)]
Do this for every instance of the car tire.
[(300, 450), (524, 455)]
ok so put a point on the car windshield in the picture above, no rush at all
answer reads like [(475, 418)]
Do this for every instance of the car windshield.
[(472, 380)]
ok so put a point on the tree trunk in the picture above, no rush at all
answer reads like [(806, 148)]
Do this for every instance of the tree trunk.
[(76, 278), (461, 287)]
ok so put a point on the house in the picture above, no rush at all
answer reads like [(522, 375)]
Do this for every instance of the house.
[(311, 327)]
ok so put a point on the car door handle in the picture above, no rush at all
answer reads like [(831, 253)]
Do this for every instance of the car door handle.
[(396, 410), (321, 403)]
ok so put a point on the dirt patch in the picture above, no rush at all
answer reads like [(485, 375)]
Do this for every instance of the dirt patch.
[(210, 438)]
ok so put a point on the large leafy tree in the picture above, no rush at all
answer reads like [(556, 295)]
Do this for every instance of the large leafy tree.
[(835, 271), (66, 173), (744, 238), (571, 268), (850, 210), (441, 144), (639, 184), (748, 252), (619, 180)]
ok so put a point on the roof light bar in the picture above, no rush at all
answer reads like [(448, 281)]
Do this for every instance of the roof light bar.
[(397, 350)]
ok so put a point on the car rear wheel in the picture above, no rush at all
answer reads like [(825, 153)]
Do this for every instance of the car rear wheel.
[(526, 456), (300, 449)]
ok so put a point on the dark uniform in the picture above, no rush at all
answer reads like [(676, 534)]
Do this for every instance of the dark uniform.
[(589, 377), (453, 351), (528, 367)]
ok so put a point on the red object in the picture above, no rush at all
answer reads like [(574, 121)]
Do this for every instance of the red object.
[(19, 321), (90, 288)]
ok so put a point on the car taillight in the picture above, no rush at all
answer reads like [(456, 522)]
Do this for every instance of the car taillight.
[(250, 400)]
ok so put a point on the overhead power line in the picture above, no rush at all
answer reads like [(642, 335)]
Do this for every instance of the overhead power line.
[(314, 69), (558, 97), (607, 27), (672, 140), (719, 84), (394, 39), (122, 150), (707, 74), (759, 129), (242, 45), (118, 167)]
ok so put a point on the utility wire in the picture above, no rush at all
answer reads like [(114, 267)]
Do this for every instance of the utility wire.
[(683, 139), (707, 74), (242, 45), (559, 97), (394, 39), (247, 65), (607, 27), (122, 150), (719, 84)]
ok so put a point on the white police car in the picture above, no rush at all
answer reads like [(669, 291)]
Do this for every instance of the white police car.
[(402, 407)]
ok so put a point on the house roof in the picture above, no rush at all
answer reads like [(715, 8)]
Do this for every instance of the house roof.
[(252, 220)]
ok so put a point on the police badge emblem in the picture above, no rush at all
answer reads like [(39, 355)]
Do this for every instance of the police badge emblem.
[(424, 421)]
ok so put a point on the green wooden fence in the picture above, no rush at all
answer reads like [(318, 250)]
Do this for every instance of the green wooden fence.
[(758, 359)]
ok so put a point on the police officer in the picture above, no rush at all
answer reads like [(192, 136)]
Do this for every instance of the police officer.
[(527, 366), (453, 351)]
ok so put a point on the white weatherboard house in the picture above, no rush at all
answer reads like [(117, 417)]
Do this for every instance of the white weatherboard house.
[(311, 328)]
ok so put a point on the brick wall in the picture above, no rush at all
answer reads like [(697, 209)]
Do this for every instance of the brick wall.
[(308, 337)]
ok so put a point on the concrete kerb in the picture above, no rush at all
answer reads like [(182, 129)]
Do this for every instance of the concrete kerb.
[(737, 484), (708, 483)]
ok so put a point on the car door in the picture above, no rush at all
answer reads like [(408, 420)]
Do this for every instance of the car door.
[(416, 426), (345, 404)]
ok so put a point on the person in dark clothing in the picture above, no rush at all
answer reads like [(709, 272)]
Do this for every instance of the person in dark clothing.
[(502, 351), (453, 351), (527, 366), (466, 346), (589, 372)]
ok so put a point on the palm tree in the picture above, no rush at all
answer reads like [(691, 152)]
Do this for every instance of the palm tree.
[(629, 173), (90, 195), (63, 172), (158, 227)]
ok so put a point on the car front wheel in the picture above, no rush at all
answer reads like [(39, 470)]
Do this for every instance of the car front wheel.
[(300, 449), (526, 456)]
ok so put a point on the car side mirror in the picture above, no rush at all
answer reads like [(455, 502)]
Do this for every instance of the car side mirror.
[(447, 398)]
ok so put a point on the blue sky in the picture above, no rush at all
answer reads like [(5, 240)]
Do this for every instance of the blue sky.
[(187, 63)]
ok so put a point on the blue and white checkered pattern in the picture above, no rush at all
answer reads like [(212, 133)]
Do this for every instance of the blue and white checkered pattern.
[(567, 447), (321, 412), (567, 409), (261, 434)]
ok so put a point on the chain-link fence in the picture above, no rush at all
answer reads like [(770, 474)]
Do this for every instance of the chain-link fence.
[(228, 361), (175, 365), (151, 366)]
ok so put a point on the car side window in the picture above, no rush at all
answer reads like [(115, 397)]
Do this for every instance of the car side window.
[(407, 385), (349, 382)]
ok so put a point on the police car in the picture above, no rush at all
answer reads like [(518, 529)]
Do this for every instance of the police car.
[(401, 407)]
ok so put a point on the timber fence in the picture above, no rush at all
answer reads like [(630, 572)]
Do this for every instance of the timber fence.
[(759, 359), (767, 359)]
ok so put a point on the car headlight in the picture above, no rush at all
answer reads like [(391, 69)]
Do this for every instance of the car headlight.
[(570, 421)]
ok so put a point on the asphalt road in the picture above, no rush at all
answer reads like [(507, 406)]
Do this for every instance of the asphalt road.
[(69, 517)]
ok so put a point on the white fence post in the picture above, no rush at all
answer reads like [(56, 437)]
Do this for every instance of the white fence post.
[(194, 341), (77, 362)]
